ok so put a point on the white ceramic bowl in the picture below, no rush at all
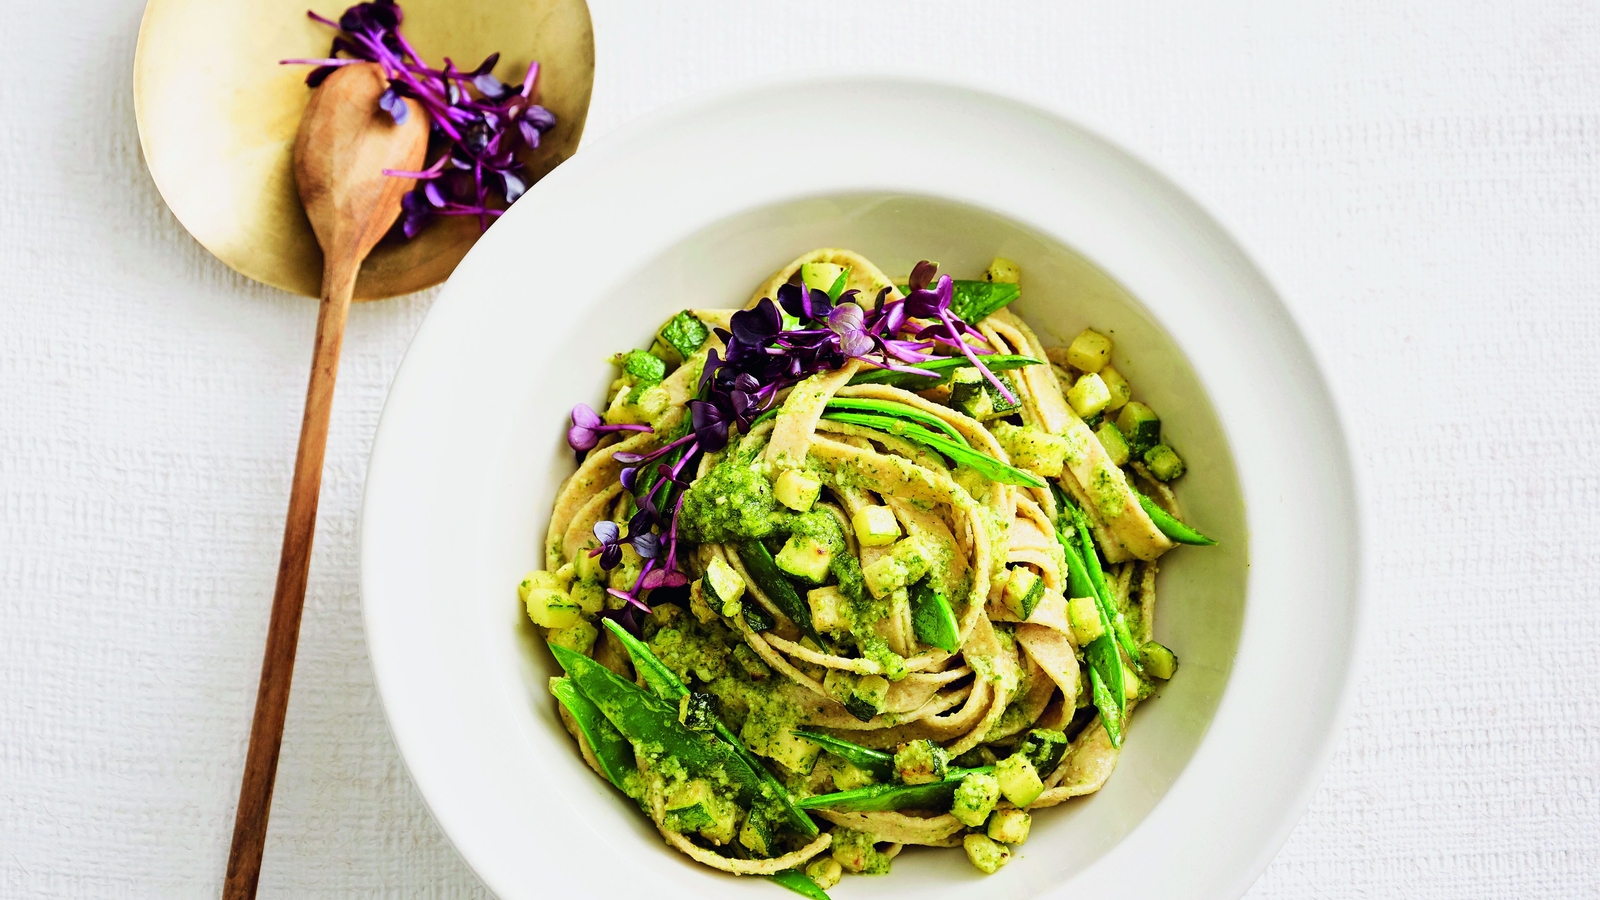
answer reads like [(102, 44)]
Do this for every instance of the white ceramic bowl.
[(694, 207)]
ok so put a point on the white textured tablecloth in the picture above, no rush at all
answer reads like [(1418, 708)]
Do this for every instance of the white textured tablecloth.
[(1421, 179)]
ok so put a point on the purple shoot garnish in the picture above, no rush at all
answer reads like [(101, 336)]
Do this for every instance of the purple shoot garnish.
[(587, 428), (477, 120)]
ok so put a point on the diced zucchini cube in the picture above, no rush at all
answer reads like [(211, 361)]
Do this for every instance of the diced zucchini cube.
[(551, 607), (830, 609), (645, 368), (578, 637), (640, 406), (839, 684), (971, 393), (975, 799), (984, 853), (805, 557), (1141, 427), (1044, 748), (758, 835), (920, 762), (1033, 449), (825, 871), (1121, 392), (756, 616), (684, 334), (726, 586), (1024, 589), (905, 563), (796, 490), (1164, 462), (857, 852), (1009, 826), (1089, 351), (796, 754), (1003, 271), (875, 526), (589, 595), (1132, 686), (1113, 443), (697, 712), (689, 806), (1089, 396), (1084, 615), (820, 275), (1002, 406), (868, 698), (750, 662), (1019, 780), (1158, 660), (538, 580)]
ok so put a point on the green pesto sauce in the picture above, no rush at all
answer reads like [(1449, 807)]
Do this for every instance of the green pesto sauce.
[(732, 502)]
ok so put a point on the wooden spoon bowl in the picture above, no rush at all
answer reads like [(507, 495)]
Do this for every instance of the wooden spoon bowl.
[(217, 118)]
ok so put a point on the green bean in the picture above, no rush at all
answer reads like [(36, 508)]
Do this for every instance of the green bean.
[(879, 763), (891, 408), (611, 750), (801, 883), (1170, 526), (770, 579), (991, 468), (665, 684), (943, 367), (935, 795)]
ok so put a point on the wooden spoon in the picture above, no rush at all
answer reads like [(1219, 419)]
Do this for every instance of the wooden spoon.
[(344, 144)]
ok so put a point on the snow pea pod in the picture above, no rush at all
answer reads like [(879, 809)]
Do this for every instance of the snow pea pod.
[(935, 795), (879, 763), (1097, 576), (1110, 696), (611, 750), (801, 883), (892, 409), (991, 468), (943, 367), (665, 684), (647, 720), (1171, 527)]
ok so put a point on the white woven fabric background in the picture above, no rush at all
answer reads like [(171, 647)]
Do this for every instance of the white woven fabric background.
[(1421, 179)]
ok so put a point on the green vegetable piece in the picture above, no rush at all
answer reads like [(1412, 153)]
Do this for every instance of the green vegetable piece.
[(1023, 591), (935, 796), (770, 579), (879, 763), (669, 689), (697, 712), (984, 853), (645, 719), (866, 701), (1105, 676), (684, 334), (611, 750), (933, 620), (1019, 780), (1116, 623), (920, 762), (974, 301), (1171, 527), (644, 367), (1141, 427), (805, 557), (898, 410), (692, 807), (1112, 441), (756, 616), (975, 799), (797, 881), (942, 367), (1009, 826), (988, 466), (1044, 748), (1164, 462), (1160, 661)]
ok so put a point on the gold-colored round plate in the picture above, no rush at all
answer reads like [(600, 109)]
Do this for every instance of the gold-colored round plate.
[(217, 117)]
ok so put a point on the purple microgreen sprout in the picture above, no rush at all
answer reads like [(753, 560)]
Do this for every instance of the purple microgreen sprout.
[(477, 120), (587, 428)]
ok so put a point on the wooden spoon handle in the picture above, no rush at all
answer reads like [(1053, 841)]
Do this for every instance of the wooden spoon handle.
[(283, 632)]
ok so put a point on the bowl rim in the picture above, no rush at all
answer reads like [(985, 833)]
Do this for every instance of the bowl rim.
[(598, 152)]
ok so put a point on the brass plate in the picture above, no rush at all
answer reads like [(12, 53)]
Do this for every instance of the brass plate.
[(217, 117)]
